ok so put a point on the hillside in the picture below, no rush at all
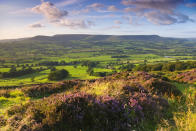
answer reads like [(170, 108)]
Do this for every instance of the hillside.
[(123, 101), (70, 52), (112, 83), (97, 65), (106, 44)]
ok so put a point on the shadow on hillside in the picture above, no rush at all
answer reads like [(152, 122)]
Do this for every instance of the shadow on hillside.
[(44, 90)]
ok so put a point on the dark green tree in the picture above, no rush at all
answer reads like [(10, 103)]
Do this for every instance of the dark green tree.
[(58, 75)]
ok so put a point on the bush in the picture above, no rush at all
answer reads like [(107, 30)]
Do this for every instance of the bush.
[(77, 111), (47, 89), (187, 77), (17, 73), (160, 87), (124, 104), (58, 75)]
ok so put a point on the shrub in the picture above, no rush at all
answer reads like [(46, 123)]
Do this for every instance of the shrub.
[(58, 75), (47, 89), (187, 77), (147, 106), (77, 111), (160, 87)]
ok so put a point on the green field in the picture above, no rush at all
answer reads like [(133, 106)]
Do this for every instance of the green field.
[(165, 67), (80, 72)]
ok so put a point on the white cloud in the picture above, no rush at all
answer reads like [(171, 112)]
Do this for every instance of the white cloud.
[(77, 12), (161, 5), (74, 23), (112, 8), (49, 11), (166, 19), (129, 19), (162, 12), (36, 25), (57, 16), (112, 27), (161, 19), (117, 22), (95, 6)]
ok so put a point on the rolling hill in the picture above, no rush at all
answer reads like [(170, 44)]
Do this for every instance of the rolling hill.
[(105, 44)]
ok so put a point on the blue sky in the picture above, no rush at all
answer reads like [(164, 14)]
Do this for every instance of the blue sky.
[(26, 18)]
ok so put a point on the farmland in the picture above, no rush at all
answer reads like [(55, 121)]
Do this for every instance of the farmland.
[(124, 82), (110, 51)]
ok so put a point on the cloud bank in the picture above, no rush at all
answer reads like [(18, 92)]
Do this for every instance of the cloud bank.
[(161, 12), (58, 17), (49, 11)]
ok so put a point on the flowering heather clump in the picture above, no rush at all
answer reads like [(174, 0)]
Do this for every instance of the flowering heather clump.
[(143, 76), (89, 112), (77, 111), (138, 76), (187, 77), (146, 106), (45, 89), (160, 87), (124, 103)]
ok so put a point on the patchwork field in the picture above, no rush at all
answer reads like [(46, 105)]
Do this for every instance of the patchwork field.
[(107, 64), (84, 82)]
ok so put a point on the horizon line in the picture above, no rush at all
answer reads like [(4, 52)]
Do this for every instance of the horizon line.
[(95, 35)]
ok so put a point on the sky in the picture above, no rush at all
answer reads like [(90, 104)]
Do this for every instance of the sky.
[(167, 18)]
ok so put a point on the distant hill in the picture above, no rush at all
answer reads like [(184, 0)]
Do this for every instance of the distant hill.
[(86, 37), (106, 44), (192, 39)]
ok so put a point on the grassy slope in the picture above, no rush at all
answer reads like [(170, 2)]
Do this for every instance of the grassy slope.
[(42, 77), (80, 72), (93, 48), (183, 109), (15, 97)]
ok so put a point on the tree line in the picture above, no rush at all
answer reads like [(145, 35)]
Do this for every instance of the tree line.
[(61, 63), (170, 66), (13, 72)]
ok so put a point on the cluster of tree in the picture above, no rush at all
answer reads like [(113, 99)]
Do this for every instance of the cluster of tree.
[(20, 65), (52, 68), (127, 67), (52, 63), (17, 73), (58, 75), (89, 64), (26, 65), (102, 74), (170, 66), (61, 63)]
